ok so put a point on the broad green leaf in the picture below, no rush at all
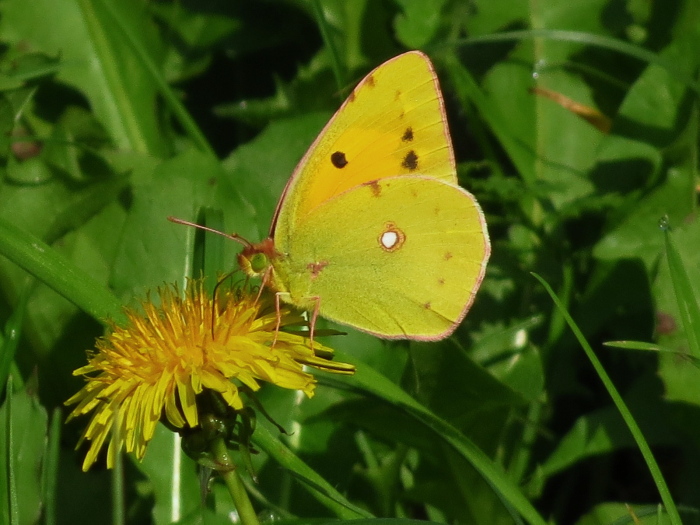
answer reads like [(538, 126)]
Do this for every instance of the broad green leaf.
[(419, 22), (173, 478), (679, 374), (96, 59)]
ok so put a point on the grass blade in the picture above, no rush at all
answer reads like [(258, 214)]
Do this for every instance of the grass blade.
[(368, 380), (621, 407), (327, 494), (687, 304), (49, 266)]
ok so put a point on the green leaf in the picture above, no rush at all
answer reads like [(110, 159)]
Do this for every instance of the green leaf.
[(419, 22), (172, 476), (96, 60), (368, 381), (686, 296), (39, 259), (23, 429), (621, 408), (676, 295), (325, 492)]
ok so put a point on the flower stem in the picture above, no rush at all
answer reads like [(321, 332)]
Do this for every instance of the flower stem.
[(228, 471)]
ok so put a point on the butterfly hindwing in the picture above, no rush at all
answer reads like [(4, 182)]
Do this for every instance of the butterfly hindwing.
[(407, 264)]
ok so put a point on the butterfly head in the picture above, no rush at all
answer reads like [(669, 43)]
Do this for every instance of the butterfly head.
[(255, 260)]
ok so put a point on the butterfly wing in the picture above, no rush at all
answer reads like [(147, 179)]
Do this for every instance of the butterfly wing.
[(399, 257), (393, 123)]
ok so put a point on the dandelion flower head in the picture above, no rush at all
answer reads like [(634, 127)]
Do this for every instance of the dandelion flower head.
[(155, 365)]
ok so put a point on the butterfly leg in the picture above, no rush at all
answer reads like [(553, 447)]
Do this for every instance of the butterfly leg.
[(266, 279), (312, 324), (278, 314), (314, 315)]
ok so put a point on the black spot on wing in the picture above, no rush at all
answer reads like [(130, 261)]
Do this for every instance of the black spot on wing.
[(410, 161), (338, 159)]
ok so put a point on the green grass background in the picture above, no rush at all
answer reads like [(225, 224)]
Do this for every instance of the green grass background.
[(116, 114)]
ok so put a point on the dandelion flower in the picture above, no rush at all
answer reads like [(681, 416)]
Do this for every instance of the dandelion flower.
[(156, 365)]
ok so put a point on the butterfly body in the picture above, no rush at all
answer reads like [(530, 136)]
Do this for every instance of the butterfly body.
[(372, 230)]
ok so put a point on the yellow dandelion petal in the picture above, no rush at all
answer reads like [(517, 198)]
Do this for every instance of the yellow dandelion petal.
[(161, 393), (186, 395), (233, 398)]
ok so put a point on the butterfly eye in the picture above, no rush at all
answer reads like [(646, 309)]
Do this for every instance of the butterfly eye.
[(259, 262), (253, 265)]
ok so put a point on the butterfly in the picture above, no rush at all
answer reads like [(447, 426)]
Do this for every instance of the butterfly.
[(372, 230)]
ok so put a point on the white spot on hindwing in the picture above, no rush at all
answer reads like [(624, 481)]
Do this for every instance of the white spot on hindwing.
[(392, 238), (389, 239)]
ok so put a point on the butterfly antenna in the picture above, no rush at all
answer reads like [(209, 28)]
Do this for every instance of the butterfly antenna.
[(215, 306), (232, 236)]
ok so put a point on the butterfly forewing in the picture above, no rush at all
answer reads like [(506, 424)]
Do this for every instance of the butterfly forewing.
[(393, 123)]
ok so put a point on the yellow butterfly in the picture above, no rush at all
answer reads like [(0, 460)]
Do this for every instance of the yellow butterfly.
[(372, 230)]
